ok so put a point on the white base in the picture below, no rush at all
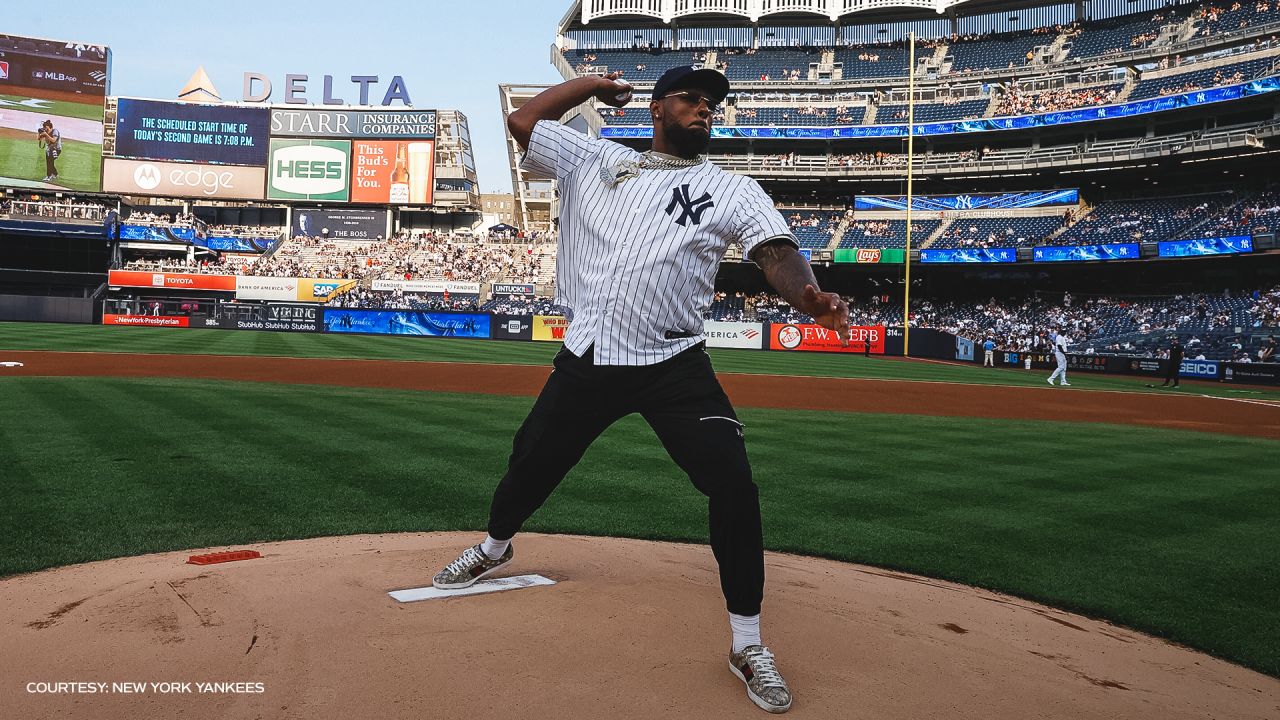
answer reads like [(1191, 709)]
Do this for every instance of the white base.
[(484, 586)]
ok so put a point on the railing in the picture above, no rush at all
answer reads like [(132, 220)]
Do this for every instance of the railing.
[(64, 211)]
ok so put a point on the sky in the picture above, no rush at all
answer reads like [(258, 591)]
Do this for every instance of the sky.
[(449, 59)]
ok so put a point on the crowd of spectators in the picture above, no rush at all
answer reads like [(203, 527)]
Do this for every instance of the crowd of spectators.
[(1098, 325), (406, 256), (1016, 101), (57, 208)]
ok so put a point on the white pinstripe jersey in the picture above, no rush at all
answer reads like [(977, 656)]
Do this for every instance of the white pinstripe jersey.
[(636, 262)]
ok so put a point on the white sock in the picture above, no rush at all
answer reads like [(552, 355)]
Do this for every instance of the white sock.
[(746, 630), (494, 548)]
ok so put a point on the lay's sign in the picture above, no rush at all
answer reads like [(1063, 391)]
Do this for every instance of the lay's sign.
[(309, 170)]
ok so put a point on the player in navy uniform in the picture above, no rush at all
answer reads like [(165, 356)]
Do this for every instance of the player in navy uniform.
[(641, 237)]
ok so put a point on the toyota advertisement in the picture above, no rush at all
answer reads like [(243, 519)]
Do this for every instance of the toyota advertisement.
[(191, 132), (166, 179), (51, 104), (309, 170)]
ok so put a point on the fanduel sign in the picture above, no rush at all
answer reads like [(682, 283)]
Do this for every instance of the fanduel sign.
[(185, 180), (257, 89)]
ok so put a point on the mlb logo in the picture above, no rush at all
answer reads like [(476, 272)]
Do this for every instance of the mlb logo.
[(4, 70), (157, 279)]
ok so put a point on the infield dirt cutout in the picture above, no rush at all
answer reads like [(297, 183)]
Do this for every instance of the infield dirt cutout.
[(632, 629)]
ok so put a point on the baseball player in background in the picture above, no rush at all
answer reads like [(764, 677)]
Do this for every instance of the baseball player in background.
[(641, 238), (1058, 341), (988, 353)]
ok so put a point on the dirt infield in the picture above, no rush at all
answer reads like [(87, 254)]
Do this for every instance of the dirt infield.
[(1180, 411), (631, 630)]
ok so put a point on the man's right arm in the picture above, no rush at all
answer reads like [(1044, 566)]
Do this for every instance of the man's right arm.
[(554, 102)]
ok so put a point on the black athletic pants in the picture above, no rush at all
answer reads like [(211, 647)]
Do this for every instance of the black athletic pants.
[(683, 402), (1171, 372)]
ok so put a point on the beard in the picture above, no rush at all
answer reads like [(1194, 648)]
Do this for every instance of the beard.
[(688, 142)]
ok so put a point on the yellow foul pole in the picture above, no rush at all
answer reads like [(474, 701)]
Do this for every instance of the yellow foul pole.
[(911, 157)]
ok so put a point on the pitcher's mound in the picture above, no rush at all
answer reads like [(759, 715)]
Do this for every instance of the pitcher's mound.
[(630, 630)]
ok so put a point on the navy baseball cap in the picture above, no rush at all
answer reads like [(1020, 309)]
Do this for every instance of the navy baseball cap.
[(682, 77)]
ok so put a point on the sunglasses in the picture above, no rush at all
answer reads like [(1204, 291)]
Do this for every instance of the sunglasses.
[(694, 98)]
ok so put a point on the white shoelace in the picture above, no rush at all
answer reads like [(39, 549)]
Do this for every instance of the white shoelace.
[(469, 557), (763, 669)]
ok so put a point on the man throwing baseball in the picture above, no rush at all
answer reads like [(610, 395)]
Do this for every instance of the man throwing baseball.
[(641, 237)]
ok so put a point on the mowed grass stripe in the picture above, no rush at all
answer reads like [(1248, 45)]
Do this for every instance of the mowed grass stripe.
[(96, 338), (1164, 531)]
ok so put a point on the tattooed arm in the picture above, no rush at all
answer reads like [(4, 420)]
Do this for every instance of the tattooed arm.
[(789, 273)]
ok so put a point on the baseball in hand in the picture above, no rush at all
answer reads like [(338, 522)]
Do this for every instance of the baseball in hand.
[(625, 88)]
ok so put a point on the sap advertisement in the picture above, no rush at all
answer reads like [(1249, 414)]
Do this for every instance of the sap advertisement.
[(1207, 246), (355, 224), (970, 255), (938, 203), (191, 132), (51, 100), (182, 180), (309, 170), (406, 322), (1080, 253)]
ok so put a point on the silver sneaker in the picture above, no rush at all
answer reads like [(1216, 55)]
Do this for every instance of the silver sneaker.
[(470, 566), (765, 686)]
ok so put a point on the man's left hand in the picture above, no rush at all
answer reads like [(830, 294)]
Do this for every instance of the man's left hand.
[(828, 310)]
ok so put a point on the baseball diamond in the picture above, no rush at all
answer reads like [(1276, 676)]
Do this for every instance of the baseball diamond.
[(888, 360)]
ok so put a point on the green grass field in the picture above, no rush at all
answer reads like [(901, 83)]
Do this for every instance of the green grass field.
[(1169, 532), (58, 108), (98, 338), (79, 166)]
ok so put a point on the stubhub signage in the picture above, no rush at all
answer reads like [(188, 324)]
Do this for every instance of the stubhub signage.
[(309, 170)]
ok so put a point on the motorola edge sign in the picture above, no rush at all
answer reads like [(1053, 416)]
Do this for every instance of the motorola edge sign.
[(185, 180)]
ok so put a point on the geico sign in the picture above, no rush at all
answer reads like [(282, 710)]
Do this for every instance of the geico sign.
[(1198, 369), (206, 180), (309, 170)]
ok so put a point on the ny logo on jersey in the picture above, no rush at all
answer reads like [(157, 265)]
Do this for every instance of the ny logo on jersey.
[(688, 208)]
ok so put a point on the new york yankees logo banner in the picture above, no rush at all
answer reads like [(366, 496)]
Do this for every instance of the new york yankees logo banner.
[(688, 208)]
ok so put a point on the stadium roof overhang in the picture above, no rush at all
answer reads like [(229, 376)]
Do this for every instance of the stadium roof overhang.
[(617, 13)]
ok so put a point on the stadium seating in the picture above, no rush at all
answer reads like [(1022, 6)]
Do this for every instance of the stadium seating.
[(997, 232), (635, 65), (872, 61), (1001, 51), (932, 111), (1117, 35), (775, 64), (1257, 214), (1149, 220), (812, 228), (886, 233), (1199, 79)]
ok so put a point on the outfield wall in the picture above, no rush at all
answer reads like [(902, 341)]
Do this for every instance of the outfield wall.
[(1219, 370)]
